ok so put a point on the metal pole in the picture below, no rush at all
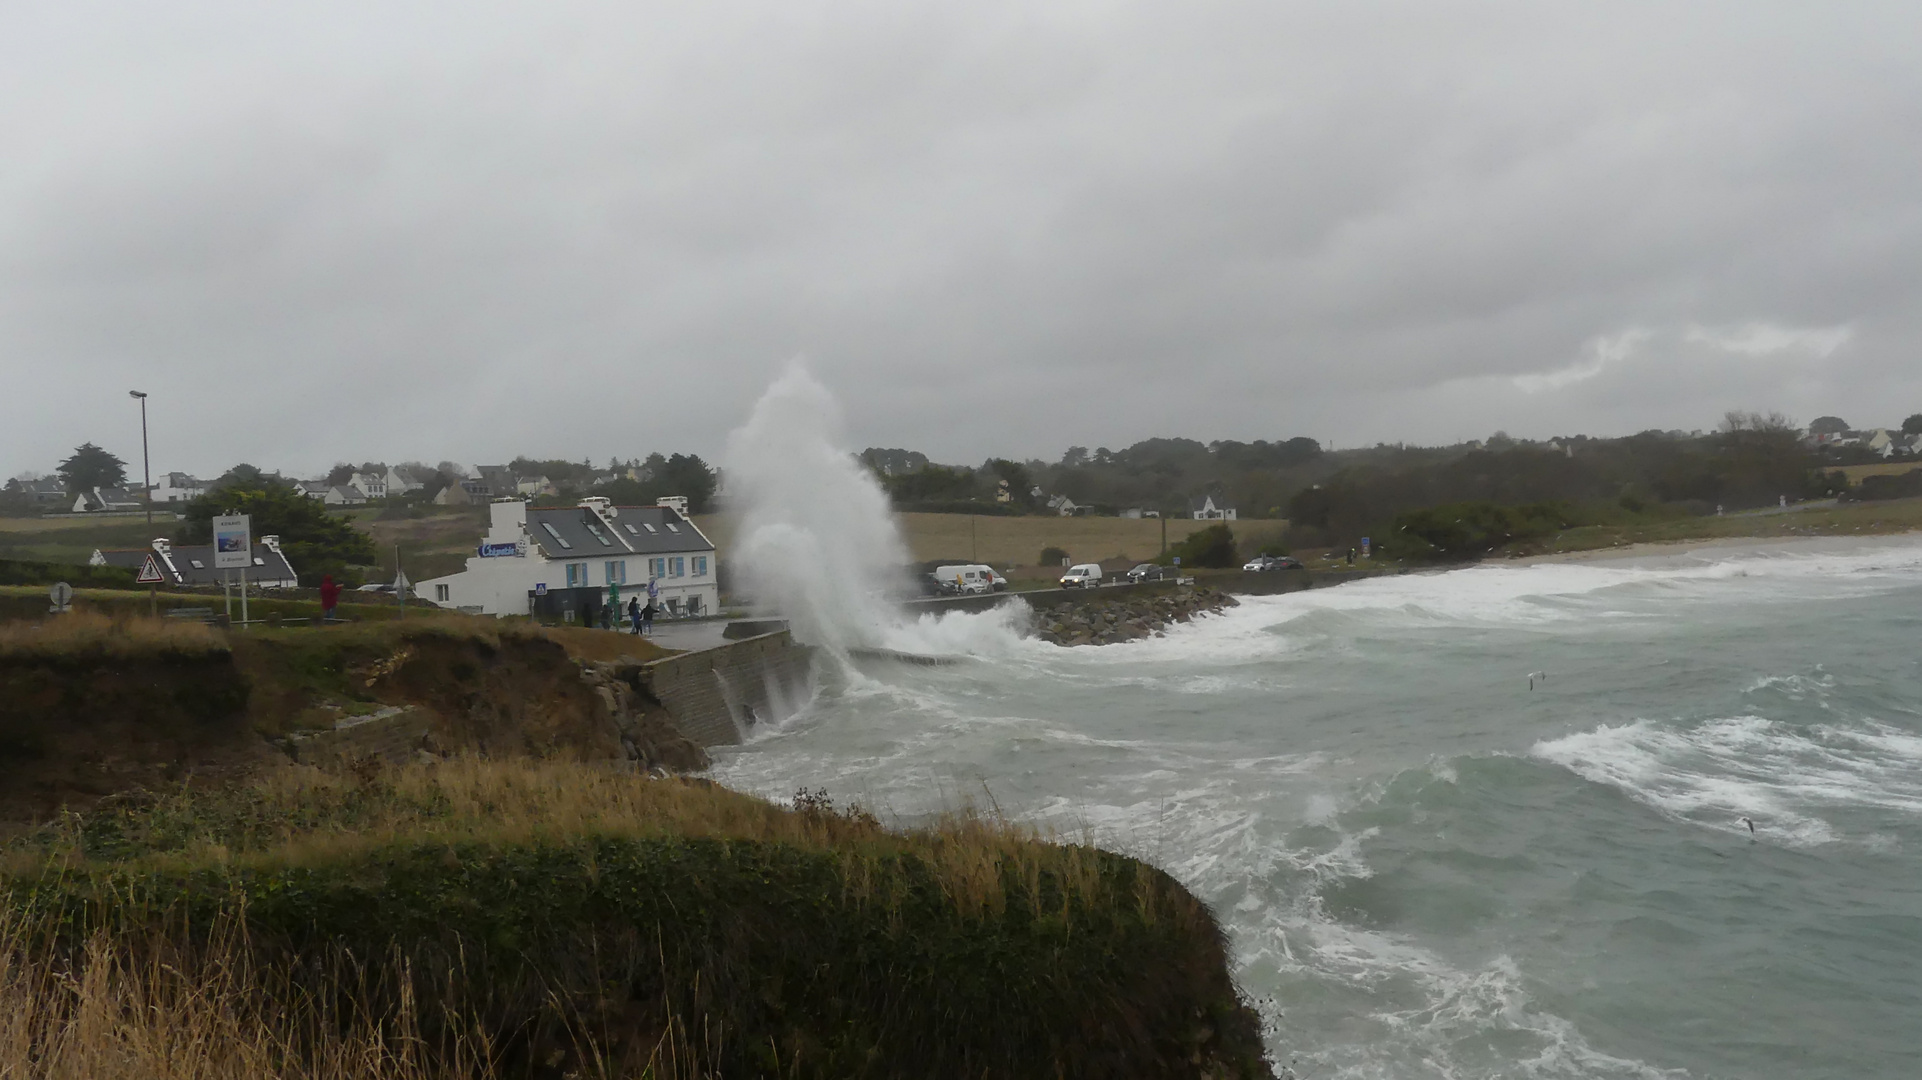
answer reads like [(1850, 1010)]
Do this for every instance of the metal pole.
[(243, 596), (146, 464)]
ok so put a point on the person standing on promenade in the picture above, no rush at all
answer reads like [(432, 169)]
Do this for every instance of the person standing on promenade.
[(634, 613), (329, 597)]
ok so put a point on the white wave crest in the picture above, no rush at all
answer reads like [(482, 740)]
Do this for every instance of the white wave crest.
[(1782, 776)]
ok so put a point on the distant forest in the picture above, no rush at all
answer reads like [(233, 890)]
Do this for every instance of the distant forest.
[(1429, 497)]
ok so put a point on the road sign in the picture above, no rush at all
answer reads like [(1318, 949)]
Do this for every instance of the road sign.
[(540, 588), (233, 542), (149, 572), (1177, 560), (62, 596)]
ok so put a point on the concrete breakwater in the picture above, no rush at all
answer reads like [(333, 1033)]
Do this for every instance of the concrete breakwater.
[(1101, 621)]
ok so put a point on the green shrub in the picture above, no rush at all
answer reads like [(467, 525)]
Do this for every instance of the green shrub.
[(1212, 548), (1053, 556), (1465, 530)]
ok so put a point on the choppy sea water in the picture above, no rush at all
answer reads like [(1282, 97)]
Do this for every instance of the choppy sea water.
[(1428, 869)]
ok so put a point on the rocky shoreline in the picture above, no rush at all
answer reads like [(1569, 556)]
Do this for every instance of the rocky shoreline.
[(1107, 622)]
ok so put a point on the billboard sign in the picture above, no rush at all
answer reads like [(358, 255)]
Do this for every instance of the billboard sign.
[(233, 542), (502, 551)]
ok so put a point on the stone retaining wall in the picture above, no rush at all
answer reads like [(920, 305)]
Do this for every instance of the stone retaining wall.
[(717, 695)]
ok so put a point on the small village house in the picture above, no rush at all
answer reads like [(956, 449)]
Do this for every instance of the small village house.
[(551, 561), (47, 492), (178, 487), (1205, 509), (193, 564), (107, 500)]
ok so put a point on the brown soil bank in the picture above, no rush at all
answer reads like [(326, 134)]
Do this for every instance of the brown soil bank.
[(91, 706)]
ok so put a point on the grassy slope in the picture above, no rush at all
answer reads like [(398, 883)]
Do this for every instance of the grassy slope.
[(592, 923)]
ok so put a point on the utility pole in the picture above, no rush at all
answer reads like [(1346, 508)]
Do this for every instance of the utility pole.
[(146, 468)]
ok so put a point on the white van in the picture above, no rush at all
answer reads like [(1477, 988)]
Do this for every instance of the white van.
[(1084, 575), (970, 578)]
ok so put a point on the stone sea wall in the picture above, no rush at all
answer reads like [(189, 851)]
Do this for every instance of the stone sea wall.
[(1103, 621)]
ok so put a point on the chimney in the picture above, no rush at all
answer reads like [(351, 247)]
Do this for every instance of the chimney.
[(163, 545), (271, 543)]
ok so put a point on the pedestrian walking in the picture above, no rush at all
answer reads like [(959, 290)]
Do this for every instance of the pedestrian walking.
[(329, 597), (647, 618), (634, 613), (607, 616)]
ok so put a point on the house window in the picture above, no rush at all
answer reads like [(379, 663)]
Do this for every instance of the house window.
[(258, 561), (700, 566), (649, 527), (577, 575), (656, 568), (595, 528), (673, 528), (198, 565), (440, 593), (678, 567), (631, 530), (617, 572), (556, 534)]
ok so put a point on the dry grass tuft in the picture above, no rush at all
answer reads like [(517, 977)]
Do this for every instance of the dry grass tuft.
[(90, 632), (127, 1008)]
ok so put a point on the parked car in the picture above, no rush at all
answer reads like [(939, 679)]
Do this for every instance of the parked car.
[(968, 578), (1150, 572), (1273, 562), (1082, 575)]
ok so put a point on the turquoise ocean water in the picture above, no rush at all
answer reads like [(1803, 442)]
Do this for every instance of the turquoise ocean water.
[(1428, 869)]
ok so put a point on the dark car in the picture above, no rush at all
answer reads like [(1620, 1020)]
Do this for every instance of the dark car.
[(1287, 562), (1150, 572)]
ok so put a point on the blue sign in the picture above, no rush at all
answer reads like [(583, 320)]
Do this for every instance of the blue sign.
[(1177, 560), (498, 551), (540, 589)]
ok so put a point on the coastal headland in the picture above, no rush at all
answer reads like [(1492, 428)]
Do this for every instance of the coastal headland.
[(448, 846)]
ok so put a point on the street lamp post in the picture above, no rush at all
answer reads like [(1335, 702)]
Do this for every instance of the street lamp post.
[(146, 469)]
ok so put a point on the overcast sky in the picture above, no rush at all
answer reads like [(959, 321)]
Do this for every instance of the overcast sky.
[(348, 231)]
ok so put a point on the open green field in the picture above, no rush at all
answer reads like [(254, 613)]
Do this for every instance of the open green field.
[(1855, 473), (1846, 519), (1017, 541)]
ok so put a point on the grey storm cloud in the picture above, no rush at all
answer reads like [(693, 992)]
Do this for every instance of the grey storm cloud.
[(465, 231)]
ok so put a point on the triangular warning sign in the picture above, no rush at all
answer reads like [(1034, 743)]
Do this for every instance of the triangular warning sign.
[(149, 572)]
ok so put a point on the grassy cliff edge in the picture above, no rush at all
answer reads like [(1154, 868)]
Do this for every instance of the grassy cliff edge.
[(556, 919)]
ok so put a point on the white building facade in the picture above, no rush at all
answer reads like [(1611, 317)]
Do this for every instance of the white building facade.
[(530, 552)]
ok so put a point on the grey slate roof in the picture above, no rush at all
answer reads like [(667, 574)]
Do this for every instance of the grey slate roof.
[(575, 532), (178, 565)]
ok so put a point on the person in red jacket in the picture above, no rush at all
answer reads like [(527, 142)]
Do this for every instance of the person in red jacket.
[(329, 596)]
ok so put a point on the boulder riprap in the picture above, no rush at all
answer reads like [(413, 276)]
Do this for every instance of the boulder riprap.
[(1107, 621)]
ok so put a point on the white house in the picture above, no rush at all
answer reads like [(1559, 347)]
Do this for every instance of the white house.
[(344, 495), (547, 560), (100, 500), (372, 483), (178, 487), (1204, 509)]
